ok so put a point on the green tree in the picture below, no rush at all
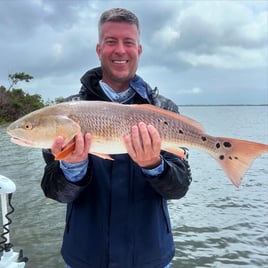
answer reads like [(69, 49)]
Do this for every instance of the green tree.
[(59, 99), (16, 77), (15, 102)]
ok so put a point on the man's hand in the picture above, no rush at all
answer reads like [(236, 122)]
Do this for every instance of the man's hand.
[(144, 145), (80, 153)]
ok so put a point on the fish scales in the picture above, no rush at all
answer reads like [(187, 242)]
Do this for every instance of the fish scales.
[(109, 122), (115, 121)]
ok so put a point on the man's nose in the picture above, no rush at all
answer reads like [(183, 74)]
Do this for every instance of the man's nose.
[(120, 47)]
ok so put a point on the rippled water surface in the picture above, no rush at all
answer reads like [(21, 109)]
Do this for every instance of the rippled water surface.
[(215, 225)]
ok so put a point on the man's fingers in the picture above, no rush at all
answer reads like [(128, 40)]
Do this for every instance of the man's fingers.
[(87, 141), (79, 144), (137, 142), (145, 139), (82, 145), (144, 145), (57, 145), (155, 138)]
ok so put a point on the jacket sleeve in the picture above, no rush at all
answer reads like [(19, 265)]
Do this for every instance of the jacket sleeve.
[(56, 186), (174, 182)]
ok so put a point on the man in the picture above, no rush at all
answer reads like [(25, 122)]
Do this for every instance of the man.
[(117, 212)]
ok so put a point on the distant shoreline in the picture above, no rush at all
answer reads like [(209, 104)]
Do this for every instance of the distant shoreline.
[(205, 105)]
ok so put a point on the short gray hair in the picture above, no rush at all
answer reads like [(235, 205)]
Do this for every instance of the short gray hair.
[(118, 15)]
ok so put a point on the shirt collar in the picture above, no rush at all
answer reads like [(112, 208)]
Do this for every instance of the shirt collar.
[(121, 97), (137, 85)]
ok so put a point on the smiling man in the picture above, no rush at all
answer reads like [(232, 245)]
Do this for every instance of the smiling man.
[(117, 212), (119, 51)]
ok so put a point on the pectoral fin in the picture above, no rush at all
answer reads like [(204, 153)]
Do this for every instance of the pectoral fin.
[(66, 151), (70, 148)]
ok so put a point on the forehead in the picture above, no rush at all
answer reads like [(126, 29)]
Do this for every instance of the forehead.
[(119, 30)]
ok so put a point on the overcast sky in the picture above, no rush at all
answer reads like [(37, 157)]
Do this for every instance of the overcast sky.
[(195, 52)]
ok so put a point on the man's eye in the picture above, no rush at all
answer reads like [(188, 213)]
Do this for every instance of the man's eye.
[(110, 42), (129, 43)]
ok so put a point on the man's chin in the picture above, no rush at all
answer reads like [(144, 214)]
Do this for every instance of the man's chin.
[(122, 76)]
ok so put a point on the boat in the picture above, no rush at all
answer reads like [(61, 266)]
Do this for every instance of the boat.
[(9, 258)]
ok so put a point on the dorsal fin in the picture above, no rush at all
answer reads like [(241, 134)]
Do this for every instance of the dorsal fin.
[(158, 110)]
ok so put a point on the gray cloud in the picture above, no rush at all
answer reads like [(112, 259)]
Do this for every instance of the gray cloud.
[(186, 45), (211, 38)]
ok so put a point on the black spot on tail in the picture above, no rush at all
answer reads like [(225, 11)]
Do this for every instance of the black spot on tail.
[(204, 138), (218, 145), (227, 144), (221, 157)]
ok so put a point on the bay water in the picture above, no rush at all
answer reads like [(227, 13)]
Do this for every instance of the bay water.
[(215, 225)]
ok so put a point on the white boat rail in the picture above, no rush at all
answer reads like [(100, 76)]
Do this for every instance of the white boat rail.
[(10, 258)]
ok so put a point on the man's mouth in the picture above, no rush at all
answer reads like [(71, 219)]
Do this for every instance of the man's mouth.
[(120, 61)]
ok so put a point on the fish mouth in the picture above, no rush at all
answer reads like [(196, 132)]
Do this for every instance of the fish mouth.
[(20, 141)]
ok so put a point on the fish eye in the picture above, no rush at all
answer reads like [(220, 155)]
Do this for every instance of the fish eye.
[(28, 126)]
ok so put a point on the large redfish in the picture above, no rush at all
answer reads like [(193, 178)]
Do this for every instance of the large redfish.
[(108, 122)]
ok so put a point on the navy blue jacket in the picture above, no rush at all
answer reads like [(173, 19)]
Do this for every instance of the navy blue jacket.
[(117, 217)]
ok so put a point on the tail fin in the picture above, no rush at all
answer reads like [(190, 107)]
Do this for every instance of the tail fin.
[(237, 157)]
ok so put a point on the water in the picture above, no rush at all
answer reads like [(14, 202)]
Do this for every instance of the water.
[(215, 225)]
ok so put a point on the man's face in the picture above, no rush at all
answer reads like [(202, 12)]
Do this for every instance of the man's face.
[(119, 51)]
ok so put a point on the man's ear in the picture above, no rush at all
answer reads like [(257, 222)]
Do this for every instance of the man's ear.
[(98, 49), (140, 49)]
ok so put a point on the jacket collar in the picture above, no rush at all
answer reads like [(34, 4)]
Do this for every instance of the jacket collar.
[(141, 87), (90, 80)]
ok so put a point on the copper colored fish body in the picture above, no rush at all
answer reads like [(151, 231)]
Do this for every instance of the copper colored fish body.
[(108, 122)]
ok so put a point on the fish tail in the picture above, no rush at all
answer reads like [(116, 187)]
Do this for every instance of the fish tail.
[(236, 156)]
